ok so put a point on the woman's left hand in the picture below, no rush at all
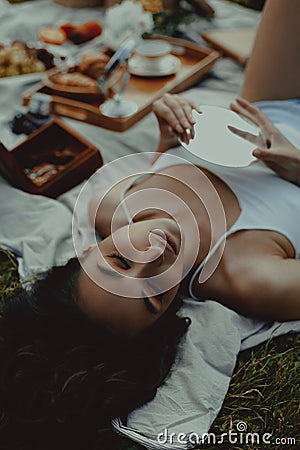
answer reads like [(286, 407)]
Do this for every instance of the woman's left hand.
[(273, 148), (175, 119)]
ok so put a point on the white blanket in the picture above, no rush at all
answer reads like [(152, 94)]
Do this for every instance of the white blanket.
[(38, 230)]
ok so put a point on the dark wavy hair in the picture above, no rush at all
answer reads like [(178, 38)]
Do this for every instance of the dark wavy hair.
[(63, 376)]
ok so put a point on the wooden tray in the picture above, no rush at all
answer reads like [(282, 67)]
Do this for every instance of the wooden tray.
[(237, 43), (195, 62)]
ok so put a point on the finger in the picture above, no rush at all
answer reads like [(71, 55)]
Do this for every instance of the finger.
[(270, 158), (244, 113), (189, 130), (182, 138), (188, 135), (243, 134), (257, 116), (261, 154), (192, 133), (193, 105), (265, 137), (182, 112), (188, 109), (164, 113)]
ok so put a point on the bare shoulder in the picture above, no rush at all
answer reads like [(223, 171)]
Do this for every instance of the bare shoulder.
[(251, 272)]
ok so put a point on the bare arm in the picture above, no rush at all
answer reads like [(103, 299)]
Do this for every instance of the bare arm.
[(273, 289)]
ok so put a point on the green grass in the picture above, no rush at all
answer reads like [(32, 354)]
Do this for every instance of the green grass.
[(9, 281), (264, 391)]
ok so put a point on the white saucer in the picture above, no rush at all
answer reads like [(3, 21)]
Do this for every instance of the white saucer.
[(168, 65), (213, 141)]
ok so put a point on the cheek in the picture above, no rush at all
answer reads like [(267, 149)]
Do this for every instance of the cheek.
[(106, 246), (138, 236), (173, 273), (169, 296), (130, 243)]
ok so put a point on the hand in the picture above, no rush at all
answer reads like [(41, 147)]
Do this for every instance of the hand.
[(275, 150), (175, 119)]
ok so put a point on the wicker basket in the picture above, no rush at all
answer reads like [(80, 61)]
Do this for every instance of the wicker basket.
[(80, 3)]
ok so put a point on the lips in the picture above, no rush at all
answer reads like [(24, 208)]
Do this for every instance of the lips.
[(172, 242)]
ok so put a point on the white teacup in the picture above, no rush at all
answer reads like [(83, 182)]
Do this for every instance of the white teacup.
[(152, 53)]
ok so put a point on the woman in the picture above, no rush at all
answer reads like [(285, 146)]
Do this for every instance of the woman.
[(115, 274), (253, 285), (64, 334)]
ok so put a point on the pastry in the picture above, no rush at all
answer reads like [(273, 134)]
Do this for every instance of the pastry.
[(93, 64), (75, 79)]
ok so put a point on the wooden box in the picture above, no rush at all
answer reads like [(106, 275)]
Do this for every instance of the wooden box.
[(52, 160)]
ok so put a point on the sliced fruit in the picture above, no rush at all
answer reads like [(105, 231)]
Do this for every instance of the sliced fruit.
[(52, 35)]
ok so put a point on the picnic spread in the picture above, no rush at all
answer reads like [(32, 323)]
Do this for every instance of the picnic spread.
[(38, 228)]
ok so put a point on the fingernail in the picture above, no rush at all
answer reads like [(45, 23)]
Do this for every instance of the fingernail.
[(178, 128)]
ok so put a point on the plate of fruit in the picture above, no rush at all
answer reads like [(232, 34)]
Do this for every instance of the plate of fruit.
[(70, 32)]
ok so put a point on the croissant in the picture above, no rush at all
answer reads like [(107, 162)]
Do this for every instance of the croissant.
[(93, 64), (75, 79)]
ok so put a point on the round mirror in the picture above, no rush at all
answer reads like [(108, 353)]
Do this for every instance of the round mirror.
[(215, 143)]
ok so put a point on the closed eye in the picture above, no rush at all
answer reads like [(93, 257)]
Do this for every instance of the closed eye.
[(123, 261)]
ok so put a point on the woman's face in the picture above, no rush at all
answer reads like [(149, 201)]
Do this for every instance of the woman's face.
[(128, 281)]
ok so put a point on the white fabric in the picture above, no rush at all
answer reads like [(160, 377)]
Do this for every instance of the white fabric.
[(39, 230)]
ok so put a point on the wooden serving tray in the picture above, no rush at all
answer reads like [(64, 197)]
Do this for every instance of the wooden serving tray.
[(237, 43), (195, 62)]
